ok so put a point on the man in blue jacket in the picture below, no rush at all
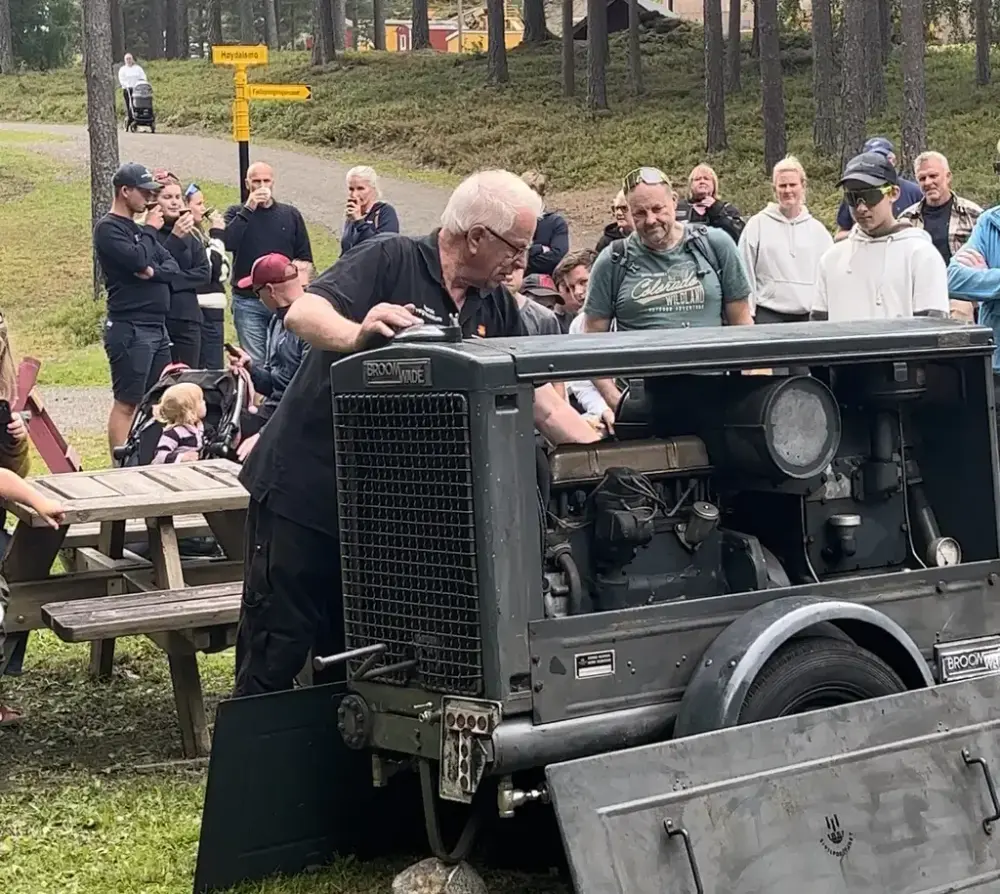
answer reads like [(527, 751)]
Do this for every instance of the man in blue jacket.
[(974, 274)]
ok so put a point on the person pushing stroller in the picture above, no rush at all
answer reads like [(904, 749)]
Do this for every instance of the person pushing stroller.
[(129, 75)]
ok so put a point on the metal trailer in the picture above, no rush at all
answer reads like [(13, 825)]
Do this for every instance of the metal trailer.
[(749, 547)]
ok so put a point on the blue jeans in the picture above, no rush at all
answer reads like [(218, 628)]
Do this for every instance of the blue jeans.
[(252, 319)]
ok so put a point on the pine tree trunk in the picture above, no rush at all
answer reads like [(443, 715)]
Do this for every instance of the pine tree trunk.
[(634, 49), (597, 58), (322, 52), (715, 77), (496, 47), (733, 48), (271, 24), (117, 29), (853, 89), (771, 86), (420, 33), (536, 29), (7, 64), (184, 22), (568, 50), (247, 29), (914, 101), (875, 95), (171, 42), (755, 34), (157, 25), (824, 79), (214, 22), (885, 30), (338, 13), (356, 25), (982, 15), (102, 123), (201, 33), (378, 23)]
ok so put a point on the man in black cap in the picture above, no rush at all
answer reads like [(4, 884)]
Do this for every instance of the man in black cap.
[(137, 272), (885, 268), (909, 191)]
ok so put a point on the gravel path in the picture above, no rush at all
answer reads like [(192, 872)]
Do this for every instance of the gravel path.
[(314, 185)]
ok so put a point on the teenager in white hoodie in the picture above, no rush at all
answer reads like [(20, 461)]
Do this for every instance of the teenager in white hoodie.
[(781, 247), (885, 269)]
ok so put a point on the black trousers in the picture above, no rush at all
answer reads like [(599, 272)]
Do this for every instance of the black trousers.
[(766, 315), (291, 603), (185, 341)]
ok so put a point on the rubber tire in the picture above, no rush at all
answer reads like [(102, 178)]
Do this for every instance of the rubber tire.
[(803, 668), (152, 128)]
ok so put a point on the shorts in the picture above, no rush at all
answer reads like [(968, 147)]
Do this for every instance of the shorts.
[(137, 353)]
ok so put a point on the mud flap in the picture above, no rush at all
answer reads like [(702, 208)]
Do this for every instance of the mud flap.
[(284, 793), (895, 794)]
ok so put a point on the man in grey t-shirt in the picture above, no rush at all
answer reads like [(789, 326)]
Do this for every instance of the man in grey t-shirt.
[(537, 319)]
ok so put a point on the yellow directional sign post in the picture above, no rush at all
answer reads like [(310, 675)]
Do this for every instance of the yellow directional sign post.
[(240, 58)]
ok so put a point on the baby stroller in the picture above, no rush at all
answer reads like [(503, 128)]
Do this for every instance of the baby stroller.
[(141, 100), (226, 400)]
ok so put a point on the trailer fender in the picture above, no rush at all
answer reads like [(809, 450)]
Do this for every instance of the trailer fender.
[(714, 697)]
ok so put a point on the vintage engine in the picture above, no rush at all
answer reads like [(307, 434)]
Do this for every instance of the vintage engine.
[(771, 483)]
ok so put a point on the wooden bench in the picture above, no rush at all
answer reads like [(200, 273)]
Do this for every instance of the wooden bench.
[(182, 622), (88, 534)]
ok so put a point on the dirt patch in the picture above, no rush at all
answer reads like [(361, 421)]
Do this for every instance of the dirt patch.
[(13, 187), (588, 212)]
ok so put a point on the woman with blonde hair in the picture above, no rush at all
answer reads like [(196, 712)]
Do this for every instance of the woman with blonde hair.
[(209, 228), (781, 247), (703, 205), (365, 214)]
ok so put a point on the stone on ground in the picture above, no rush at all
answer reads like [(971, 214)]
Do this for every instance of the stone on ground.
[(431, 876)]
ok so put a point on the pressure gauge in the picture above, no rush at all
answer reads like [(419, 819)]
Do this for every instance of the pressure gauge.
[(944, 551)]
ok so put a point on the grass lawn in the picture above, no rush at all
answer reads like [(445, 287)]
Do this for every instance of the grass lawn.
[(433, 111), (45, 256), (81, 809)]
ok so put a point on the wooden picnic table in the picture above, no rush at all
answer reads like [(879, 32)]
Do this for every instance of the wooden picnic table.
[(113, 498)]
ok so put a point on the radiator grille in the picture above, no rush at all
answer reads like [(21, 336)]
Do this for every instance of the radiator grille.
[(404, 483)]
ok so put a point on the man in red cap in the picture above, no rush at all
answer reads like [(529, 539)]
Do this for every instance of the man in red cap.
[(276, 281)]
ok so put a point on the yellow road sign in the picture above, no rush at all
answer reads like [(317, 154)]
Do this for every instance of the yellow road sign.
[(294, 92), (239, 55)]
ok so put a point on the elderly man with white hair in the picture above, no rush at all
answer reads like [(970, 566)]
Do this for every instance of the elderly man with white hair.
[(948, 218), (292, 588), (365, 215)]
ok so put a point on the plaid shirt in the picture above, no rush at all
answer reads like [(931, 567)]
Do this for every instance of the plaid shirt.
[(964, 215)]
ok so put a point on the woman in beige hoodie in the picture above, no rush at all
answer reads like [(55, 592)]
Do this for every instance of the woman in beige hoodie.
[(781, 247)]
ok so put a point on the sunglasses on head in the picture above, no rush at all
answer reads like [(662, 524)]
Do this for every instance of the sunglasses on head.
[(191, 190), (869, 197), (649, 176)]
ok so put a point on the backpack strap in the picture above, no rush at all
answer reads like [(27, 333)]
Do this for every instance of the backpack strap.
[(697, 242), (619, 262)]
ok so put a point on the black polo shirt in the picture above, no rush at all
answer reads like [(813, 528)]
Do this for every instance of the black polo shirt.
[(291, 470)]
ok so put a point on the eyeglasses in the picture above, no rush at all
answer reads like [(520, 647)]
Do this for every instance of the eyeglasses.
[(191, 190), (868, 197), (622, 208), (518, 250), (650, 176)]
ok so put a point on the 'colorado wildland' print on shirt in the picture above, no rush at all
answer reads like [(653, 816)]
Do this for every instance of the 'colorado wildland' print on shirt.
[(676, 288)]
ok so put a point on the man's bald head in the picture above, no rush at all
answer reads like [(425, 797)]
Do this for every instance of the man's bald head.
[(259, 174)]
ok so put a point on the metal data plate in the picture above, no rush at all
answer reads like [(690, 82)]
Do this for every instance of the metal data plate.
[(872, 798)]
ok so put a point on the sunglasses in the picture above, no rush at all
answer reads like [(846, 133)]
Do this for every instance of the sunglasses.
[(191, 190), (649, 176), (616, 208), (869, 197)]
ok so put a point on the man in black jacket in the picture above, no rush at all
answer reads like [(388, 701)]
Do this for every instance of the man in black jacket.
[(256, 228), (137, 273)]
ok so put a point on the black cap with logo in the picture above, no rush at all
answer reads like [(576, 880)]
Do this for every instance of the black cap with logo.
[(136, 176), (871, 169)]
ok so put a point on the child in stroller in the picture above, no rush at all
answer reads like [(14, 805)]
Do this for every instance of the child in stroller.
[(181, 411), (226, 400), (139, 110)]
